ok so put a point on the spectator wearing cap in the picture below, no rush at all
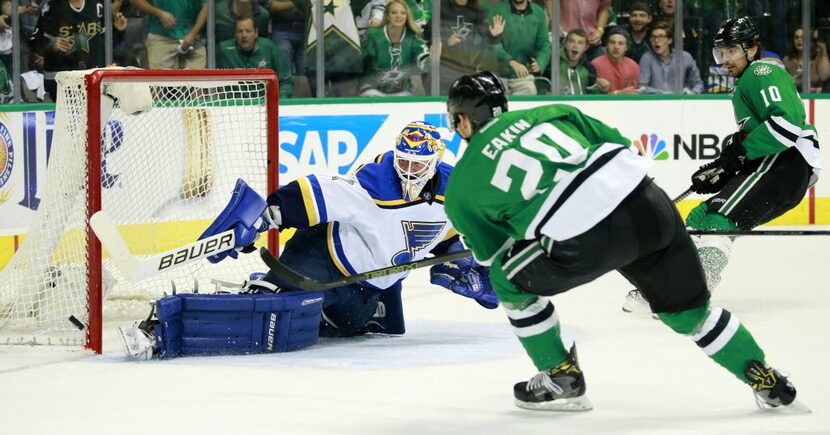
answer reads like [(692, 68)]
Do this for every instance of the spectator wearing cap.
[(659, 67), (639, 18), (620, 71)]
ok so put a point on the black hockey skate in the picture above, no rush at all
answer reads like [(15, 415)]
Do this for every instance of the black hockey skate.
[(561, 388), (771, 388)]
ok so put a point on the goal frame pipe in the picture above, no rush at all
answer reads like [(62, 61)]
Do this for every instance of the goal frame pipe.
[(93, 81)]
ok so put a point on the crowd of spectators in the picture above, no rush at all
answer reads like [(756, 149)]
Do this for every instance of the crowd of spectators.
[(383, 47)]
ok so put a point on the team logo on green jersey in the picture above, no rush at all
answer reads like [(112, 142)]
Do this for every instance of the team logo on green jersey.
[(652, 146), (762, 70)]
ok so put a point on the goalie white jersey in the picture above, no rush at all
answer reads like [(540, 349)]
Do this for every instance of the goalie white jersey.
[(369, 226)]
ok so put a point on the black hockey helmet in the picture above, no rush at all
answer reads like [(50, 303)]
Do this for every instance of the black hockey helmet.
[(480, 96), (738, 31)]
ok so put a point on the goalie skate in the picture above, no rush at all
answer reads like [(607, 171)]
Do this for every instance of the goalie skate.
[(561, 388), (139, 339), (138, 344)]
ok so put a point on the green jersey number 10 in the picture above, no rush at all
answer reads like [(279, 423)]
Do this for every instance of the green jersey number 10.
[(774, 95)]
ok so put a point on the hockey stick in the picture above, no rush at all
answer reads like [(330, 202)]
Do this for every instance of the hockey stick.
[(683, 195), (295, 279), (139, 268)]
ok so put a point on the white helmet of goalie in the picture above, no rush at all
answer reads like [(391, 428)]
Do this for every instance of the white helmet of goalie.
[(417, 152)]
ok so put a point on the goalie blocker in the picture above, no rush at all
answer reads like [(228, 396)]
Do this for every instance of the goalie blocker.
[(194, 324)]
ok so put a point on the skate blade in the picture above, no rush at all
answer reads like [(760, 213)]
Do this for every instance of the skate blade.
[(135, 346), (574, 404), (795, 408)]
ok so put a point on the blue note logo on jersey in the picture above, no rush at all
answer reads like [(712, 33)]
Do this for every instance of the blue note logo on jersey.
[(418, 235), (6, 161), (652, 146)]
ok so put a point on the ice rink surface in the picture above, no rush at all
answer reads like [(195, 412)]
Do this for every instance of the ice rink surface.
[(454, 370)]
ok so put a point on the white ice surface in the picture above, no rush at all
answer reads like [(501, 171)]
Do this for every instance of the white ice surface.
[(454, 370)]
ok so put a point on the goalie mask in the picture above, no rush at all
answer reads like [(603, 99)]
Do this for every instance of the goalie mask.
[(418, 150)]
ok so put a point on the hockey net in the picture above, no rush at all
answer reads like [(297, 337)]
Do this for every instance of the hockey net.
[(162, 175)]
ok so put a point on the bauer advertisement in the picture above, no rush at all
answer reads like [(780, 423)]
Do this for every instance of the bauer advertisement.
[(679, 135)]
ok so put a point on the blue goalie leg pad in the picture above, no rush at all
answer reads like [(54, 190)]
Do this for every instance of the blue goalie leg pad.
[(242, 214), (388, 317), (236, 324)]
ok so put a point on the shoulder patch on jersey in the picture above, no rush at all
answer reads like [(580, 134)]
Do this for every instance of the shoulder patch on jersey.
[(762, 70)]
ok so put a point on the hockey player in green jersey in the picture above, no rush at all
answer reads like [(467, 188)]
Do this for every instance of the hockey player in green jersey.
[(766, 167), (552, 199)]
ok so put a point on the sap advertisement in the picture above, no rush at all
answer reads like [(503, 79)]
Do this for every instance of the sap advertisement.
[(678, 135)]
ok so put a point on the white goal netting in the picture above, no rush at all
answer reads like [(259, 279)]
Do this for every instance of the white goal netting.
[(165, 174)]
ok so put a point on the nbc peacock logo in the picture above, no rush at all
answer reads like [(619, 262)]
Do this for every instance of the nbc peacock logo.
[(652, 146)]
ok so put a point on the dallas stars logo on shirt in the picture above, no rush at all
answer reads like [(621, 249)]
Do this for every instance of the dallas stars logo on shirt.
[(81, 40), (462, 29)]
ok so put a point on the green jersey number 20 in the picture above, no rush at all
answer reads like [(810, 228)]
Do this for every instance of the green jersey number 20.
[(531, 141)]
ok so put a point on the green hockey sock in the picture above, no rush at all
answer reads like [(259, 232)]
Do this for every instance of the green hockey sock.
[(713, 250), (700, 219), (537, 327), (720, 335)]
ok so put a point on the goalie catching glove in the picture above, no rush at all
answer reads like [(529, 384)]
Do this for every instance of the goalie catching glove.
[(713, 176), (465, 277), (248, 215)]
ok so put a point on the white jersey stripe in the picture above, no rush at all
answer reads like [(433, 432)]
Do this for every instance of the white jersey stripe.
[(709, 323), (538, 328), (724, 337), (529, 311)]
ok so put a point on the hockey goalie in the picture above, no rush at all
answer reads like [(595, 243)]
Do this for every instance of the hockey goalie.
[(387, 212)]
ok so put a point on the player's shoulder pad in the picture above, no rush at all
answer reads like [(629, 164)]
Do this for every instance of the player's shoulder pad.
[(379, 178), (764, 71)]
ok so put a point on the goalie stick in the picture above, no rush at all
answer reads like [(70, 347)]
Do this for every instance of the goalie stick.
[(138, 268), (303, 282)]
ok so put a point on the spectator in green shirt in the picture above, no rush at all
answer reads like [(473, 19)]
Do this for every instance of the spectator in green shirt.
[(6, 94), (524, 48), (248, 50), (228, 11), (174, 29)]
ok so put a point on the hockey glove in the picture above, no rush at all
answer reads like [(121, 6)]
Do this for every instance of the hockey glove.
[(245, 213), (733, 154), (466, 278), (710, 178)]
